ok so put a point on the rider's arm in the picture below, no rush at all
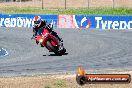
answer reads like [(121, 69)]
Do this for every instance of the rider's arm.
[(34, 31), (48, 25)]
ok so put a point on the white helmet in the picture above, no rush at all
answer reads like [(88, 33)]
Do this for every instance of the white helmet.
[(37, 21)]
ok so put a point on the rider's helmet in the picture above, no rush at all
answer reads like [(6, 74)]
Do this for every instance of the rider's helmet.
[(37, 21)]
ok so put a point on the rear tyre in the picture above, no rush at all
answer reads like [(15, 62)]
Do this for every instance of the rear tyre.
[(63, 51), (54, 49)]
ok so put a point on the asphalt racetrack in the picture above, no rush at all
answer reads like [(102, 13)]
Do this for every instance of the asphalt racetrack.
[(95, 50)]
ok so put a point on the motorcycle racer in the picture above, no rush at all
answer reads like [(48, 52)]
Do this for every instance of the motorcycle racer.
[(39, 26)]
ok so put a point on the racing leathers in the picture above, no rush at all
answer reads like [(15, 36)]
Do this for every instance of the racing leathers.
[(40, 29)]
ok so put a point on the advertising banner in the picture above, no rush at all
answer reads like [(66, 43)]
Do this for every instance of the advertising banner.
[(96, 22), (65, 21), (68, 21), (102, 22), (24, 20)]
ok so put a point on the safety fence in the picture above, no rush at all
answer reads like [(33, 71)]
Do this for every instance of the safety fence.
[(65, 3), (68, 21)]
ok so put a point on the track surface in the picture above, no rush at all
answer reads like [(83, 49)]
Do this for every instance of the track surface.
[(93, 49)]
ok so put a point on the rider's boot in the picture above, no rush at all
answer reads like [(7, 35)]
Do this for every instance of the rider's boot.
[(55, 34), (61, 46)]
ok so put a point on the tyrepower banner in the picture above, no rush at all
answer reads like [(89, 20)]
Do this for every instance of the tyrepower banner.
[(96, 22), (24, 20), (68, 21)]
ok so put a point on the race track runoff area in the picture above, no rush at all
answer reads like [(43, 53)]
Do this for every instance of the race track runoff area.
[(95, 50)]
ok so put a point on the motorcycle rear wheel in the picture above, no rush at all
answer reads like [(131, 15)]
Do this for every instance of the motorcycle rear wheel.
[(54, 49)]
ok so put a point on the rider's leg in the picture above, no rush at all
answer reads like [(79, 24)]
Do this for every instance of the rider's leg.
[(55, 34), (60, 39)]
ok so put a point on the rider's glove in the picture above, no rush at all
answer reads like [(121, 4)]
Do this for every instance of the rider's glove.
[(37, 42)]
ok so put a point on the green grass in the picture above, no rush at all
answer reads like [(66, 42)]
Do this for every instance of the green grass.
[(47, 86), (57, 84), (79, 11), (60, 83)]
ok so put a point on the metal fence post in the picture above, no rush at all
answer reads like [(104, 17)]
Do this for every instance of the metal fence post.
[(113, 6), (42, 4), (65, 4), (88, 3), (20, 4)]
